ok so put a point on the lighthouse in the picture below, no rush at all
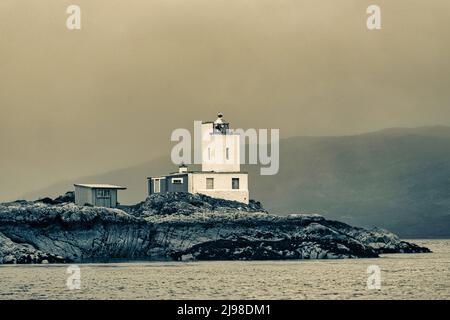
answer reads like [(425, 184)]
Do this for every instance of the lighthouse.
[(220, 147), (220, 175)]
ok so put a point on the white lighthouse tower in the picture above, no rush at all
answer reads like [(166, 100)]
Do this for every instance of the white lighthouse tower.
[(220, 147)]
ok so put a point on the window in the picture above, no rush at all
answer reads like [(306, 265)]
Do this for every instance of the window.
[(177, 180), (102, 193), (235, 183), (209, 183), (227, 153)]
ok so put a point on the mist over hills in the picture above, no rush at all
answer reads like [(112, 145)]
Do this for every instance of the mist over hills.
[(396, 178)]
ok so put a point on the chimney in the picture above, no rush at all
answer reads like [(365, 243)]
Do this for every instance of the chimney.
[(182, 168)]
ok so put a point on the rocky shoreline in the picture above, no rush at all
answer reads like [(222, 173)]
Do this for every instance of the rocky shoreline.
[(179, 227)]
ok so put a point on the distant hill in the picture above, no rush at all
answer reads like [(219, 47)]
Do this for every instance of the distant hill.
[(397, 179)]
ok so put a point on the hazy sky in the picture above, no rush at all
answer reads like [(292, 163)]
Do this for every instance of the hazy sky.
[(74, 103)]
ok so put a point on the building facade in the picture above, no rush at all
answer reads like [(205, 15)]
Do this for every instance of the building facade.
[(220, 175), (99, 195)]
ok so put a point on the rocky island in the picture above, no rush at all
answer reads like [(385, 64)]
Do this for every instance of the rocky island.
[(179, 226)]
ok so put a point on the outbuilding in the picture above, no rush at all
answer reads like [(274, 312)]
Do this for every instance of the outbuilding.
[(100, 195)]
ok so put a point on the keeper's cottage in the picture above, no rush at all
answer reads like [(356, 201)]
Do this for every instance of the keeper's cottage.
[(220, 175)]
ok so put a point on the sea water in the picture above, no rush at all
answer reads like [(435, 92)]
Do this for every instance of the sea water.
[(403, 276)]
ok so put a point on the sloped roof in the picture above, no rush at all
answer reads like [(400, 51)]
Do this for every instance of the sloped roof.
[(99, 186)]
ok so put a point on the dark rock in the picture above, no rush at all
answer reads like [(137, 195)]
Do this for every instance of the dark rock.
[(179, 227), (187, 203), (68, 197), (22, 253), (46, 200)]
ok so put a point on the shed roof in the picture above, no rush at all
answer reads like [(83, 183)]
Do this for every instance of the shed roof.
[(99, 186)]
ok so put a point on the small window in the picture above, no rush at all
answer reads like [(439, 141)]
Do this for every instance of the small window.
[(177, 180), (102, 193), (209, 183), (227, 153), (157, 186), (235, 183)]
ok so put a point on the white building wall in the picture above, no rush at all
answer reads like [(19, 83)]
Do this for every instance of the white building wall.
[(222, 186), (214, 150)]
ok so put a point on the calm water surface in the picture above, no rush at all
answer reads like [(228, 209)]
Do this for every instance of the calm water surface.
[(404, 276)]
